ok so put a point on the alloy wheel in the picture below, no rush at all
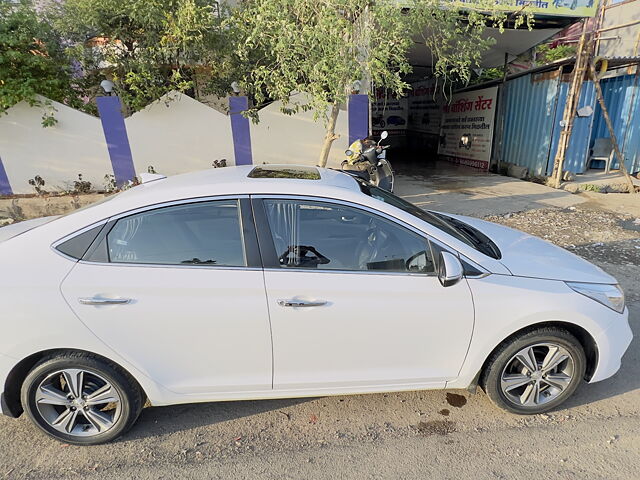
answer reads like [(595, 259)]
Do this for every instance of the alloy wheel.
[(537, 374), (78, 402)]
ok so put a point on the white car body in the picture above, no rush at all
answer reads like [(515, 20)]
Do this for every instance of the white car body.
[(209, 333)]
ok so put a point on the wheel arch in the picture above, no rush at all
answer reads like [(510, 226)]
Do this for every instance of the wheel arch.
[(587, 342), (17, 375)]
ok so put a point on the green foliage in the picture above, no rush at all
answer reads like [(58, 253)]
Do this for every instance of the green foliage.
[(488, 74), (148, 48), (589, 187), (322, 47), (32, 61), (545, 54), (457, 39)]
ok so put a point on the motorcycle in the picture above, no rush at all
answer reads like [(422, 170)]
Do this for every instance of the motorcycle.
[(368, 160)]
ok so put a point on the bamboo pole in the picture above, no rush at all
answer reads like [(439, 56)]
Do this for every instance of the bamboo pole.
[(573, 97), (503, 112), (602, 8), (616, 27), (612, 134)]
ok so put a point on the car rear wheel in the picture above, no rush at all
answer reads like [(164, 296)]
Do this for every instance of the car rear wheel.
[(535, 372), (81, 399)]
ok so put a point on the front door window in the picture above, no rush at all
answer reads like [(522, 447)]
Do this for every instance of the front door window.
[(326, 236)]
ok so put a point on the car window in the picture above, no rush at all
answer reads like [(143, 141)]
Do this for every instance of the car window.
[(207, 233), (456, 228), (77, 246), (328, 236)]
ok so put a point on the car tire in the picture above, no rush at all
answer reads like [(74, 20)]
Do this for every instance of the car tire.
[(513, 383), (81, 399)]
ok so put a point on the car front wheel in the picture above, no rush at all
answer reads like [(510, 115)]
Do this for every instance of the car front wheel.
[(535, 372), (81, 399)]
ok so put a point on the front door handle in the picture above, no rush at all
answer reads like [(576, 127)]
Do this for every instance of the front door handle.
[(103, 301), (300, 303)]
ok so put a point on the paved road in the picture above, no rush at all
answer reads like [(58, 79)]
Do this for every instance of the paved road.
[(408, 435), (405, 435)]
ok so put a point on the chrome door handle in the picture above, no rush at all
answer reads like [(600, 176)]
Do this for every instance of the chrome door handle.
[(103, 301), (300, 303)]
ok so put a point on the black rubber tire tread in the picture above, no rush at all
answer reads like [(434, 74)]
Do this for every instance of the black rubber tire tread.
[(490, 379), (132, 396)]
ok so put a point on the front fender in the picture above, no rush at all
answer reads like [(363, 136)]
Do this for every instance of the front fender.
[(506, 304)]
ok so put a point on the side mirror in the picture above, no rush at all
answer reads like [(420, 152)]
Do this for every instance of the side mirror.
[(384, 135), (450, 270), (348, 153)]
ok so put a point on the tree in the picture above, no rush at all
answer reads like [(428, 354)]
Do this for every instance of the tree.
[(545, 53), (32, 61), (147, 48), (322, 47)]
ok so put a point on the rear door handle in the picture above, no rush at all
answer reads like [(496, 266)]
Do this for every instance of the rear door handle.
[(103, 301), (300, 303)]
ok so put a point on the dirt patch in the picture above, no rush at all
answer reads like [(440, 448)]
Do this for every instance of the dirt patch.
[(608, 239), (436, 427), (597, 236), (444, 412), (28, 207), (456, 400)]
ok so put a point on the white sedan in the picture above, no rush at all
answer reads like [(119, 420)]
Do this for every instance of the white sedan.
[(270, 282)]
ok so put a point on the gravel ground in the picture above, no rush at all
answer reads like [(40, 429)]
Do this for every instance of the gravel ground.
[(401, 435), (610, 240)]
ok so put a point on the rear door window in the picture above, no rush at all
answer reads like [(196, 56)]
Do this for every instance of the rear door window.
[(205, 233)]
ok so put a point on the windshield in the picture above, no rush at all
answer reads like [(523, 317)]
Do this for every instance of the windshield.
[(457, 229)]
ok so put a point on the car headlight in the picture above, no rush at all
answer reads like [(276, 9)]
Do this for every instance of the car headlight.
[(610, 296)]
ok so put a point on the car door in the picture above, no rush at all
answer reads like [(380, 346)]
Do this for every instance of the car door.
[(178, 291), (354, 301)]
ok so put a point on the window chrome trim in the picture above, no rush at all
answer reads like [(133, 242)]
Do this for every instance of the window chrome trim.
[(175, 203), (169, 265), (352, 272), (64, 255), (483, 272)]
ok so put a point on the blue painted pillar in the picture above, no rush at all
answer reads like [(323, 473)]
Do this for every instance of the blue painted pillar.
[(5, 187), (358, 111), (240, 130), (115, 134)]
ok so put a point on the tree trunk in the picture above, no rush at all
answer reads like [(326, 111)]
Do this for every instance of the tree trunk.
[(330, 136)]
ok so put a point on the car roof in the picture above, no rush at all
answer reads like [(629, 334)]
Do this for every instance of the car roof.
[(236, 180), (224, 181)]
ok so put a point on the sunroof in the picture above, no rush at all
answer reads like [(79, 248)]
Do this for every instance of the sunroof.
[(284, 171)]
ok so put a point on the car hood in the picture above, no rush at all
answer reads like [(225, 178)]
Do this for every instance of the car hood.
[(528, 256), (15, 229)]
